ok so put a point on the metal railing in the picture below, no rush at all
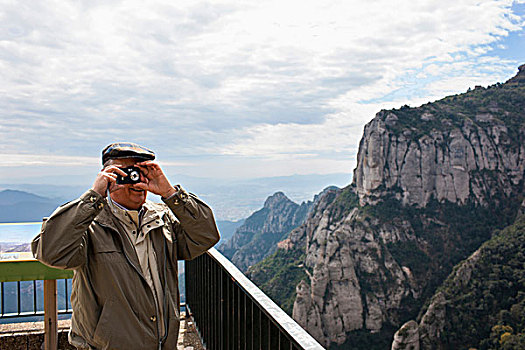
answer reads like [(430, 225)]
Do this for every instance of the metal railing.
[(33, 270), (231, 312), (24, 300), (13, 273)]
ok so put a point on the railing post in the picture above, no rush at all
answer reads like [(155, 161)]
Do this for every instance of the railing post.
[(50, 315)]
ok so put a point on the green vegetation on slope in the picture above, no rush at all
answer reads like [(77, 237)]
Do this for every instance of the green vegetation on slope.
[(363, 340), (488, 312), (279, 274), (451, 232), (504, 102), (345, 201)]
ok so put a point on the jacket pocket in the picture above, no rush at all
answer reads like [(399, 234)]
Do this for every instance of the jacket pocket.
[(102, 333), (119, 329)]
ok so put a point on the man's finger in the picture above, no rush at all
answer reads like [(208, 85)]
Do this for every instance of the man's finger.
[(111, 177), (146, 162), (144, 169), (114, 169), (149, 164)]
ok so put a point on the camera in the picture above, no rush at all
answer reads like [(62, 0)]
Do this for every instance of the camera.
[(132, 178)]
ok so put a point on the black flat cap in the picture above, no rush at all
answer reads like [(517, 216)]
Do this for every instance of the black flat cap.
[(126, 150)]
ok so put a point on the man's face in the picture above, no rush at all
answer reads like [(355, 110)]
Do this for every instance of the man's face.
[(128, 196)]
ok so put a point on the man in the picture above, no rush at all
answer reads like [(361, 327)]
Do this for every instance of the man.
[(124, 251)]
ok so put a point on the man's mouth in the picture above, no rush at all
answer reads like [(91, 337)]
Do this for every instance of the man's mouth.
[(136, 190)]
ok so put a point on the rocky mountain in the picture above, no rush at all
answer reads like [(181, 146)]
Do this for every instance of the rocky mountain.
[(277, 274), (431, 185), (481, 304), (257, 237), (14, 196), (445, 150)]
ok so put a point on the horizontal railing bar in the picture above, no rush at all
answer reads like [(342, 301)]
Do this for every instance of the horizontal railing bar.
[(29, 270), (272, 310), (31, 313)]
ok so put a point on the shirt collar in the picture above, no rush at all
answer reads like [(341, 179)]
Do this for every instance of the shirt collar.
[(121, 211), (119, 206)]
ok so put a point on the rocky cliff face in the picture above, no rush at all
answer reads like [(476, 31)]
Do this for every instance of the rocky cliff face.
[(430, 185), (258, 236), (446, 165), (444, 151), (279, 273), (355, 282)]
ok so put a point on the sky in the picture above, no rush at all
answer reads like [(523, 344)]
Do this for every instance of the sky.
[(232, 89)]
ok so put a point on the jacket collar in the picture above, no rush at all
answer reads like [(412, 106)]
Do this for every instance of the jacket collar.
[(104, 217), (151, 214)]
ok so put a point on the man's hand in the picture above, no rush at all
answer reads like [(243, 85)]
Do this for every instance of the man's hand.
[(107, 176), (154, 180)]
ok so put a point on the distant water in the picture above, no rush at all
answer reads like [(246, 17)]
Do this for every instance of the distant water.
[(22, 232)]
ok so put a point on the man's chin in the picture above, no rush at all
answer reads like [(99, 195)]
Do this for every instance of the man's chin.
[(138, 196), (136, 205)]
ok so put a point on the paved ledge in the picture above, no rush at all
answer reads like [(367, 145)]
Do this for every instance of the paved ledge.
[(30, 327), (188, 336), (30, 335)]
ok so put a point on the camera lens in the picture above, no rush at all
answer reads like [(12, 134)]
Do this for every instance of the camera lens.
[(134, 176)]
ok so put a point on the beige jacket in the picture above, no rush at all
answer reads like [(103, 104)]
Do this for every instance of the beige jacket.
[(113, 305)]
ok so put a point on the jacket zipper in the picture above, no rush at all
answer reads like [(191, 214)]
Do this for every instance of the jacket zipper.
[(141, 275)]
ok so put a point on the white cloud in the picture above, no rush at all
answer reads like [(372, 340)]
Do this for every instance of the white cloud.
[(271, 78), (336, 134), (16, 160)]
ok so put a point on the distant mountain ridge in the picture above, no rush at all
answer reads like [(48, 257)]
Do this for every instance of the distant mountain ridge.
[(231, 199), (227, 229), (21, 206), (14, 196), (260, 233), (15, 247)]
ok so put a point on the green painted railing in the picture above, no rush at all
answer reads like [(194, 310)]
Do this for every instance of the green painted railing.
[(30, 270), (33, 270)]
